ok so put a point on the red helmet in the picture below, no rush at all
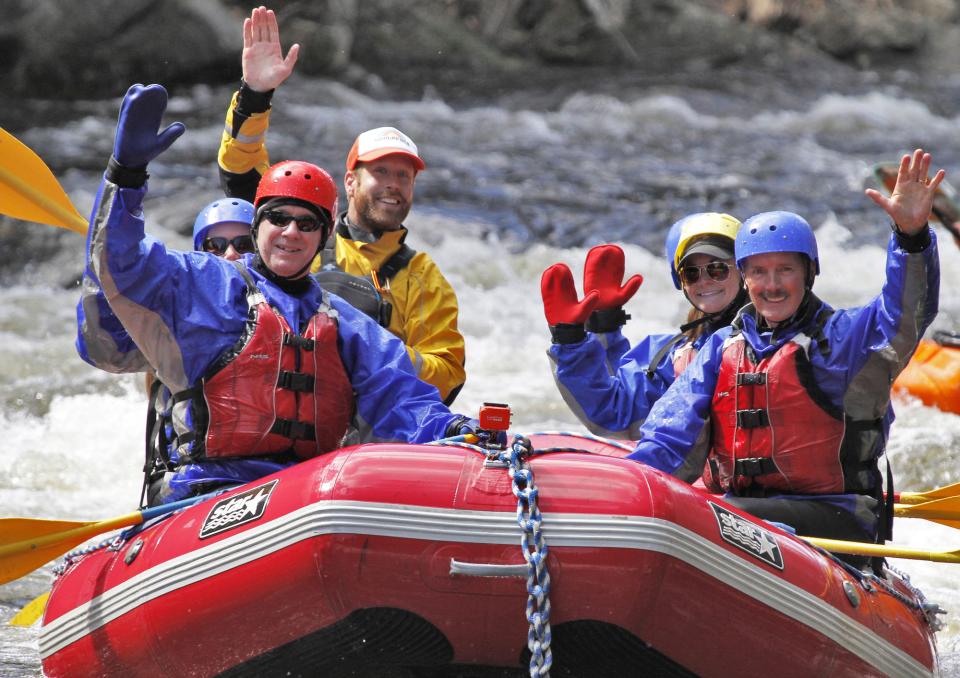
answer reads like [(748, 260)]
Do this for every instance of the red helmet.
[(301, 180)]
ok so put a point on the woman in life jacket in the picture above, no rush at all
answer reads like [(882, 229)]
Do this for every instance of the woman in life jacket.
[(609, 385)]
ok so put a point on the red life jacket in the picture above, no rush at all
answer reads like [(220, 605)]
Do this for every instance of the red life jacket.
[(278, 392), (773, 430)]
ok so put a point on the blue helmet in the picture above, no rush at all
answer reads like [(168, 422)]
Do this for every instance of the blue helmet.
[(670, 249), (220, 212), (776, 232)]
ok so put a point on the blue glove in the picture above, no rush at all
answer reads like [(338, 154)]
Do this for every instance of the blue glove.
[(137, 141)]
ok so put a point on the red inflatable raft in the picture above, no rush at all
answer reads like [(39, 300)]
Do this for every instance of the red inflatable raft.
[(393, 555)]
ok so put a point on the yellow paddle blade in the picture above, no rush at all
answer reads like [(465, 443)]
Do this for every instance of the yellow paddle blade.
[(30, 543), (864, 549), (29, 191), (929, 495), (945, 511), (31, 612)]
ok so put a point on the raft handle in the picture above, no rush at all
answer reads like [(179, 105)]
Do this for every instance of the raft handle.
[(487, 569)]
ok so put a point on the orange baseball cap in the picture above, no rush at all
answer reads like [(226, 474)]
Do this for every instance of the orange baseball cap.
[(376, 143)]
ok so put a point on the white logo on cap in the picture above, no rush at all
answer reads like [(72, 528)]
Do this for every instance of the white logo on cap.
[(385, 137)]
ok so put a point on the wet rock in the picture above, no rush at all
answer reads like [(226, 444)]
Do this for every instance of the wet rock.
[(79, 50), (861, 30), (97, 48)]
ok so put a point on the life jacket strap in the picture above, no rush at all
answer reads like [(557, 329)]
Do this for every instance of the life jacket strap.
[(297, 341), (755, 466), (751, 378), (296, 381), (752, 418), (294, 430)]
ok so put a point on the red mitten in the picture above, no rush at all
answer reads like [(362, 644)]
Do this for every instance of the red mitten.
[(560, 302), (603, 272)]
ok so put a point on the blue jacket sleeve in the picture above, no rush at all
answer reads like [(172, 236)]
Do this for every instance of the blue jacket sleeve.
[(615, 346), (611, 400), (182, 309), (675, 438), (102, 341), (392, 403), (871, 344)]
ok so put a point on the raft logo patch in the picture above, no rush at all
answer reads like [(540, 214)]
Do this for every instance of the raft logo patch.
[(234, 511), (748, 536)]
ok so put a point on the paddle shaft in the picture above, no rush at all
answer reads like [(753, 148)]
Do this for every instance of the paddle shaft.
[(928, 495), (74, 536), (24, 556), (864, 549)]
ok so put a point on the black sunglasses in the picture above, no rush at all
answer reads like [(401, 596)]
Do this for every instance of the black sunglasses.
[(717, 270), (218, 246), (306, 223)]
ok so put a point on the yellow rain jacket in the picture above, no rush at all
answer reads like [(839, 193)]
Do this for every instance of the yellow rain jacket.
[(424, 304)]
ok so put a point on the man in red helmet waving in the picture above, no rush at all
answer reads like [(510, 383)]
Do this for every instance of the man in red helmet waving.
[(411, 297), (787, 411), (266, 368)]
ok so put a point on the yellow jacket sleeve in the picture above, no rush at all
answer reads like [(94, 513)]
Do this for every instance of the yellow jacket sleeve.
[(425, 313), (243, 157)]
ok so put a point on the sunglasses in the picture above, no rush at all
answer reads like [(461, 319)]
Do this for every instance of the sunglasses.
[(717, 270), (242, 244), (306, 223)]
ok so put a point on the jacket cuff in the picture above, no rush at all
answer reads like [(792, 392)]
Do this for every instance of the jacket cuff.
[(567, 333), (607, 320), (126, 177), (913, 244), (250, 101), (454, 428)]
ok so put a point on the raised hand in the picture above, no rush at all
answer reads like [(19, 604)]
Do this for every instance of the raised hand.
[(264, 67), (560, 302), (137, 142), (603, 272), (912, 197)]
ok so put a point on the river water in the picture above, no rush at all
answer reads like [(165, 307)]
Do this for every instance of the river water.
[(513, 185)]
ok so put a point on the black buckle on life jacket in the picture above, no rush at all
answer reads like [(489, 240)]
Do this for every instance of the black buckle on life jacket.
[(752, 418), (294, 430), (755, 466), (297, 341), (296, 381), (751, 378)]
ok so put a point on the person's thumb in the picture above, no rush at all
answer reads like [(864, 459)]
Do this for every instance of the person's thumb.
[(166, 138)]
